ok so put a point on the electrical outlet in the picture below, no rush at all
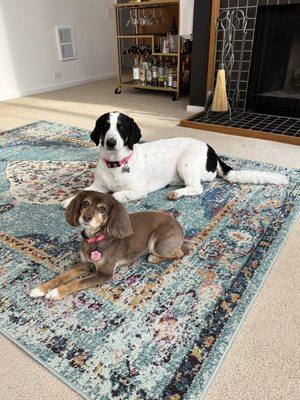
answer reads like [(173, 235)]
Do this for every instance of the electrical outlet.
[(110, 13), (57, 75)]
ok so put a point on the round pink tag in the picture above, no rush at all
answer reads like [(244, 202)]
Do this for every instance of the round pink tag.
[(96, 255)]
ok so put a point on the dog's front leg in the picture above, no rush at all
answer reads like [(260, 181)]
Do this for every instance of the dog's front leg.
[(79, 284), (42, 290), (129, 195)]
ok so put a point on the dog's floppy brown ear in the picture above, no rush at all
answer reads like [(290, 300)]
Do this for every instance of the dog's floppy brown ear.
[(73, 210), (118, 225)]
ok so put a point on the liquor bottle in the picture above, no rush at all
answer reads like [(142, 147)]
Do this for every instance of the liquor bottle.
[(174, 68), (149, 74), (174, 29), (170, 78), (142, 71), (167, 72), (161, 73), (154, 73), (136, 70)]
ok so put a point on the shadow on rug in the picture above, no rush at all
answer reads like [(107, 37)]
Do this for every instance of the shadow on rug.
[(155, 332)]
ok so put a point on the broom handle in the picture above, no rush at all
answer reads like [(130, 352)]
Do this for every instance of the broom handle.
[(215, 55), (223, 40)]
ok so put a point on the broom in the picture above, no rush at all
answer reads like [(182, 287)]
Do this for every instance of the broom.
[(220, 101)]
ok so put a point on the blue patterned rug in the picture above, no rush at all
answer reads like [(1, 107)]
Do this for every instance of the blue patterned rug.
[(155, 332)]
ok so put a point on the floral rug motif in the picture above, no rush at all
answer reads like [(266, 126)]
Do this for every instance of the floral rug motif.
[(154, 332)]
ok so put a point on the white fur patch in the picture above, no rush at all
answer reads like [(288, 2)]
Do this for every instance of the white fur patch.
[(113, 132), (256, 177), (53, 295), (37, 292)]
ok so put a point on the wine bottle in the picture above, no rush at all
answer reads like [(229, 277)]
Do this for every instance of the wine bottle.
[(149, 74), (174, 81), (142, 71), (154, 73), (161, 73), (136, 70)]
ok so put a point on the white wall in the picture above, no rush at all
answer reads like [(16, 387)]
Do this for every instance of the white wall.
[(28, 50)]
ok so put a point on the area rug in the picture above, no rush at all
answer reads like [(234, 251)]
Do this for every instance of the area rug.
[(154, 332)]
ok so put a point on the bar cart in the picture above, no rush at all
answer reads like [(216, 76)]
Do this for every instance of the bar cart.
[(150, 53)]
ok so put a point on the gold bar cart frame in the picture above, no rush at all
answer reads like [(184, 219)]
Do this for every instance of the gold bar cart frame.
[(141, 5)]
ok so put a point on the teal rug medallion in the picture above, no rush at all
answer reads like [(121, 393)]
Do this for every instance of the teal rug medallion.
[(155, 332)]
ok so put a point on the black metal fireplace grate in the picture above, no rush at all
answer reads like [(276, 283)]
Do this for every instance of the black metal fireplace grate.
[(253, 121)]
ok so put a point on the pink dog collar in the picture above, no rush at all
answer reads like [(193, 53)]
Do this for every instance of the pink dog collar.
[(95, 239), (116, 164)]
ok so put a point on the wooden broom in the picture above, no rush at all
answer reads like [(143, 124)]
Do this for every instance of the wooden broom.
[(220, 101)]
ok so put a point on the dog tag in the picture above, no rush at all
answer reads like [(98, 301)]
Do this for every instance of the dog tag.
[(125, 168), (96, 255)]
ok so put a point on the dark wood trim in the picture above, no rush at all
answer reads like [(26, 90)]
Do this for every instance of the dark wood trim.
[(229, 130), (215, 8)]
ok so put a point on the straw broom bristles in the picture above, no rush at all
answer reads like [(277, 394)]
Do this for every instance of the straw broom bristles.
[(220, 102)]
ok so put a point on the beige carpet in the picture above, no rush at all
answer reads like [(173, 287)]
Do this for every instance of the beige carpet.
[(263, 361)]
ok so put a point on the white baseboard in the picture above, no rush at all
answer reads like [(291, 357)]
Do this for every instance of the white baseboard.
[(194, 109), (55, 86)]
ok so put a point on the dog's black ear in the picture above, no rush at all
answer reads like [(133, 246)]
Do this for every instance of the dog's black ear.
[(72, 212), (118, 225), (134, 134), (101, 127)]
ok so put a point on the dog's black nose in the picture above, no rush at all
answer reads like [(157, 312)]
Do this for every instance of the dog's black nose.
[(87, 217), (111, 143)]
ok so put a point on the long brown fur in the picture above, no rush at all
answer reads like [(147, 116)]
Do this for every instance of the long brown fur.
[(127, 237)]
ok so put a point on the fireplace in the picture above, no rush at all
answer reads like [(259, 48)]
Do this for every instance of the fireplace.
[(269, 101), (274, 81)]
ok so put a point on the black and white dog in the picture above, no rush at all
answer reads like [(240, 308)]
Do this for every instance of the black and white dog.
[(131, 170)]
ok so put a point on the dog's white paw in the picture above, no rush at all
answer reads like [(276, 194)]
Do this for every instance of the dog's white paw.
[(54, 295), (174, 195), (37, 292), (66, 202)]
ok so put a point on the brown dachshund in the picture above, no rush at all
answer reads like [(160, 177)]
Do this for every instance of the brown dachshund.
[(112, 238)]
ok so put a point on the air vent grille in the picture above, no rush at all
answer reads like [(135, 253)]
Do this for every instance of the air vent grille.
[(65, 42)]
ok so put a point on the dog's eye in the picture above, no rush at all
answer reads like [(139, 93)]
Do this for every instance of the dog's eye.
[(120, 126), (85, 204), (101, 209)]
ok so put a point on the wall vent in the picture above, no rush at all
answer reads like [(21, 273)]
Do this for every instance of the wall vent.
[(65, 42)]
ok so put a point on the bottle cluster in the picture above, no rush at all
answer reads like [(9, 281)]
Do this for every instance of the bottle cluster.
[(159, 73)]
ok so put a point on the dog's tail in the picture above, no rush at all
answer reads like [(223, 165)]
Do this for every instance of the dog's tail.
[(248, 176)]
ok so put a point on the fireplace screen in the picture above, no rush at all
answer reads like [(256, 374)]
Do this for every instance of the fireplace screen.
[(274, 84)]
